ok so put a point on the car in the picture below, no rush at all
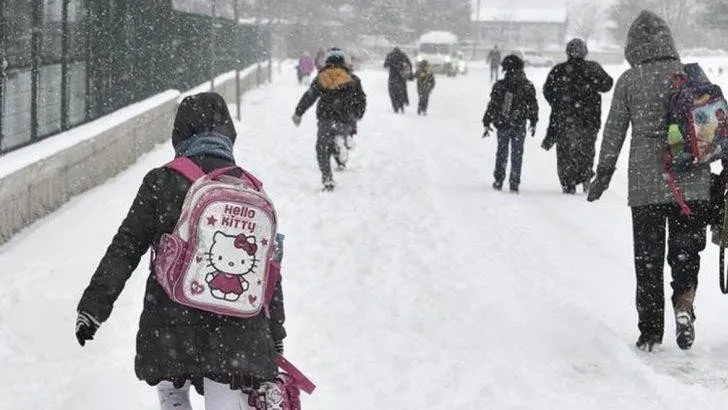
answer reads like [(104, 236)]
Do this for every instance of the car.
[(438, 48), (533, 58)]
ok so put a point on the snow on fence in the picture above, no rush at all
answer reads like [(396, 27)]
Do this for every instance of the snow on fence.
[(38, 179)]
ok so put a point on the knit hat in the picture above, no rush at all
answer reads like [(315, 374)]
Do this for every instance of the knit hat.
[(576, 48), (512, 62)]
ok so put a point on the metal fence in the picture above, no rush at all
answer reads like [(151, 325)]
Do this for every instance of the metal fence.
[(66, 62)]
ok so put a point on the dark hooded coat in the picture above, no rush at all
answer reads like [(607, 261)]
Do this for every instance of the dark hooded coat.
[(340, 96), (175, 342), (400, 70), (523, 105), (573, 90)]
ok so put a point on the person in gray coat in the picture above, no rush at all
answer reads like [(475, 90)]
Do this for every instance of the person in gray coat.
[(640, 100)]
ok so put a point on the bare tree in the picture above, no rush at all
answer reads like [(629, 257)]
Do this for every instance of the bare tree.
[(586, 18), (622, 14), (679, 15), (714, 13)]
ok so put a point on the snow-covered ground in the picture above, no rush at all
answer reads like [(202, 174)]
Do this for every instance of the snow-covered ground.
[(413, 286)]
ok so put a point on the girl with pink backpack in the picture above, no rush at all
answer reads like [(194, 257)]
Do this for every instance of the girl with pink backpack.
[(182, 343)]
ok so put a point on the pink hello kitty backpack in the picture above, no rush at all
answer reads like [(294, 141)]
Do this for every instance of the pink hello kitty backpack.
[(219, 256)]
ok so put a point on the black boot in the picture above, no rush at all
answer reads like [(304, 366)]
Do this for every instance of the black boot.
[(648, 342), (328, 182), (498, 185)]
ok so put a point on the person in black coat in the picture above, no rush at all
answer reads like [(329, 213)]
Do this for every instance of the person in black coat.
[(341, 103), (400, 71), (512, 103), (573, 90), (177, 344)]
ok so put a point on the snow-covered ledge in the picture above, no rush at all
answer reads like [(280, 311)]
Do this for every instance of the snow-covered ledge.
[(38, 179)]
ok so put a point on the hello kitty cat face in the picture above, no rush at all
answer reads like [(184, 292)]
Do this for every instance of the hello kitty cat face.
[(234, 255)]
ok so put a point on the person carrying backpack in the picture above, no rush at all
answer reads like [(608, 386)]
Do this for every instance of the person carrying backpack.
[(573, 90), (341, 103), (178, 344), (425, 85), (641, 101), (512, 103)]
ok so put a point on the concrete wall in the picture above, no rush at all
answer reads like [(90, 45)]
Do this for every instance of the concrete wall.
[(34, 190)]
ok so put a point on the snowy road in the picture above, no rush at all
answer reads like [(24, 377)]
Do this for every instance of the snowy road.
[(413, 286)]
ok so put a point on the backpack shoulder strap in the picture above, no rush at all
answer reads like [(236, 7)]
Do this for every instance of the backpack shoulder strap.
[(303, 382), (187, 168)]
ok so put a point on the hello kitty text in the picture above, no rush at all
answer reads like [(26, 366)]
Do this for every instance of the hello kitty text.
[(239, 217)]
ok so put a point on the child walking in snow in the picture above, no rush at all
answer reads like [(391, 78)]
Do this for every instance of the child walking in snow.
[(177, 345), (512, 103), (425, 85), (341, 103)]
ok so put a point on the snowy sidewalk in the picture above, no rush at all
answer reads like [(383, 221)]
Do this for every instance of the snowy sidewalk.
[(413, 286)]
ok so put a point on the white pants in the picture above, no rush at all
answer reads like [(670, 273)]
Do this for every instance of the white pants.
[(218, 396)]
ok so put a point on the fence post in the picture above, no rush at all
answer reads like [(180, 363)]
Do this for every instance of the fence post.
[(3, 66), (64, 66), (271, 27), (35, 67), (87, 61), (238, 58), (212, 48)]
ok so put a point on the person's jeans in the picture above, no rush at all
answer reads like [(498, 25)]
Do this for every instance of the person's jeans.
[(513, 138), (423, 103)]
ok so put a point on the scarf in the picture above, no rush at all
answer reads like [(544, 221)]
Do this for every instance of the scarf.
[(207, 143)]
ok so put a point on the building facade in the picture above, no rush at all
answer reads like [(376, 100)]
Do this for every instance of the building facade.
[(539, 29)]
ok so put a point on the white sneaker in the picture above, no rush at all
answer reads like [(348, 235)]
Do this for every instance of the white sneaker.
[(684, 329), (342, 153)]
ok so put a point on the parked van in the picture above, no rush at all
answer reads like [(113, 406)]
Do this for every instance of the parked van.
[(438, 48)]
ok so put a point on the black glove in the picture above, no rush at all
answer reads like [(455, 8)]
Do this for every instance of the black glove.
[(532, 129), (599, 184), (86, 327), (278, 345), (296, 120), (487, 131)]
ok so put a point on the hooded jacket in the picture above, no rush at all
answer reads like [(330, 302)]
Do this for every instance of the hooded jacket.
[(425, 78), (523, 103), (175, 342), (573, 90), (399, 65), (641, 101), (340, 94)]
